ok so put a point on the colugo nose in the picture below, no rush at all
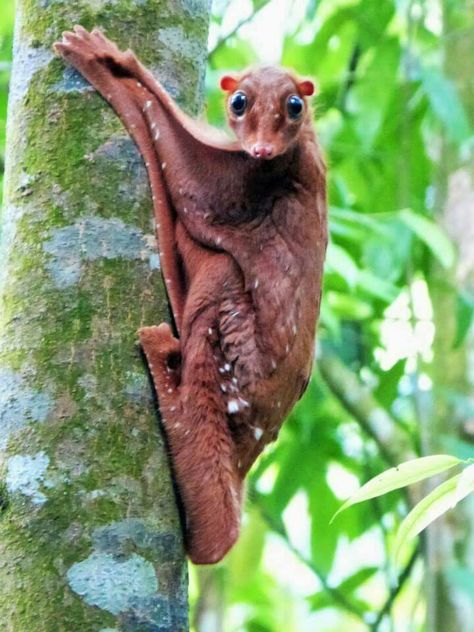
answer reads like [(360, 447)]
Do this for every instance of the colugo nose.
[(262, 150)]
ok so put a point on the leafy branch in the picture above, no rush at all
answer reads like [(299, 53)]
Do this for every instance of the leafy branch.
[(393, 443)]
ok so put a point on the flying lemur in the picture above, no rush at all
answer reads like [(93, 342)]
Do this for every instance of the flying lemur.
[(242, 233)]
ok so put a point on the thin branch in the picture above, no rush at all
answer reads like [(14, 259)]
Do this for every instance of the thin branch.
[(351, 76), (393, 443), (223, 40), (402, 579), (281, 531)]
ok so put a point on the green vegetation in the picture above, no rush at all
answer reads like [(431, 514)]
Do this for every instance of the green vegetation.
[(395, 118)]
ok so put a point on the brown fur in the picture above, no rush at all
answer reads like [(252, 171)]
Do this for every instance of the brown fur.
[(242, 243)]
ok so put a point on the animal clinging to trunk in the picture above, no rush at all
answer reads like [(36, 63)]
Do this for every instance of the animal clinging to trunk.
[(242, 235)]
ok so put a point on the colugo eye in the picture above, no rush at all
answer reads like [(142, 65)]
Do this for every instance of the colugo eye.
[(294, 106), (238, 103)]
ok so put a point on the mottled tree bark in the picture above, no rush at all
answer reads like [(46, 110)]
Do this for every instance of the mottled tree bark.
[(450, 541), (89, 532)]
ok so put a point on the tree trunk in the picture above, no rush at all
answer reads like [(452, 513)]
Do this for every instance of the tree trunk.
[(450, 542), (89, 532)]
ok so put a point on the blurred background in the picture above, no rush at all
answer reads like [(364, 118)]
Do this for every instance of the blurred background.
[(395, 371)]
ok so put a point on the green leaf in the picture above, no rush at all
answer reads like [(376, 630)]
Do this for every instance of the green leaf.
[(396, 477), (446, 104), (387, 390), (465, 484), (377, 287), (338, 261), (429, 233), (464, 317), (353, 582), (439, 501)]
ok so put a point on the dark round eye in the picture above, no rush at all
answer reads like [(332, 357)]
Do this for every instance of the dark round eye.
[(294, 106), (238, 103)]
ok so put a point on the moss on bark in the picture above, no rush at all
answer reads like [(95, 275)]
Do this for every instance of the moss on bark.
[(89, 532)]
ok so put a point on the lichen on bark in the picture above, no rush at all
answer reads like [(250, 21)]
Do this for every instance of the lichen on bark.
[(90, 537)]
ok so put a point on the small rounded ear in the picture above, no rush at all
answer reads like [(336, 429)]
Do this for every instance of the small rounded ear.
[(307, 88), (228, 83)]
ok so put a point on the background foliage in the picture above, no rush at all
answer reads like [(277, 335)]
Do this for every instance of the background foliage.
[(390, 117)]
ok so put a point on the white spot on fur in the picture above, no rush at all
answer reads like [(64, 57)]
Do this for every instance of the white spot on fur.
[(147, 105), (227, 366), (233, 406), (258, 432), (256, 284), (163, 165)]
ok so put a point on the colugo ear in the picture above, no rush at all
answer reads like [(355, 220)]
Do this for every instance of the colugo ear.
[(228, 83), (306, 87)]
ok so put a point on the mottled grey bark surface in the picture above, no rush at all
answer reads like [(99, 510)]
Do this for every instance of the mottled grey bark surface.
[(89, 532)]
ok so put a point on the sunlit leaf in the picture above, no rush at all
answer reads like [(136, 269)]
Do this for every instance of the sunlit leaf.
[(349, 307), (377, 287), (438, 502), (339, 261), (404, 474), (428, 232), (465, 484)]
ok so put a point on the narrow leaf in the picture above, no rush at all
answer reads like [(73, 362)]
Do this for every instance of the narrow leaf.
[(444, 497), (401, 476), (464, 318), (354, 582), (466, 483), (338, 261), (428, 232)]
